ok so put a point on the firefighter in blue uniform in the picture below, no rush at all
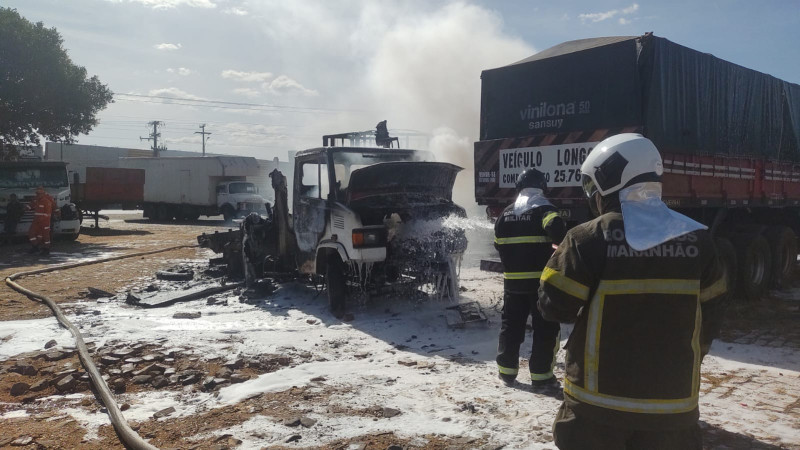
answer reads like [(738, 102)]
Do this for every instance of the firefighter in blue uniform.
[(525, 234)]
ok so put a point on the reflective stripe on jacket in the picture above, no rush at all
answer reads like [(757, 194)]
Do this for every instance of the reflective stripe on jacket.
[(525, 244)]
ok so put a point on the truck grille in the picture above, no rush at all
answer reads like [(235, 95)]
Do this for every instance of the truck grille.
[(338, 221)]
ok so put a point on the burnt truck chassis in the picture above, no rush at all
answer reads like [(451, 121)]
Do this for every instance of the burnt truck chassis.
[(266, 247)]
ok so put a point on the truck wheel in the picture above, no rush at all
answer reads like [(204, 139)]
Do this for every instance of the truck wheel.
[(727, 256), (163, 213), (755, 265), (783, 245), (228, 213), (337, 285)]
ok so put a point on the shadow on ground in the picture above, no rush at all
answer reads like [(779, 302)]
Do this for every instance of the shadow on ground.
[(717, 438), (91, 231)]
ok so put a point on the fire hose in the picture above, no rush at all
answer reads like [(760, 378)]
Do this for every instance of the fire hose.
[(126, 434)]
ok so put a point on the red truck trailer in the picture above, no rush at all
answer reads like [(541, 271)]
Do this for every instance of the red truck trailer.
[(729, 137), (106, 187)]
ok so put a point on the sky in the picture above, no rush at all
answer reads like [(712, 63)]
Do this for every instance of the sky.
[(268, 76)]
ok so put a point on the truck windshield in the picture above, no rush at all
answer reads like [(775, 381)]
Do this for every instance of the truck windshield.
[(31, 177), (344, 162), (242, 188)]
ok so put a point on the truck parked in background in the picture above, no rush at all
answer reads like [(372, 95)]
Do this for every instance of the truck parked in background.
[(729, 138), (23, 177), (184, 188)]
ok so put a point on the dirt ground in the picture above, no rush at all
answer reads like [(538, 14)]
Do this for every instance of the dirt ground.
[(770, 322)]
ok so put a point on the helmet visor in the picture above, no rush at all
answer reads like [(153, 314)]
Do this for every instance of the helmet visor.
[(589, 186)]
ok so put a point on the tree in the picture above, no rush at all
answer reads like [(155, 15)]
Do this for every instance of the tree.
[(42, 92)]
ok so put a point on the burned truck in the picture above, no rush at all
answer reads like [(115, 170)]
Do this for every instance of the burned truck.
[(364, 220)]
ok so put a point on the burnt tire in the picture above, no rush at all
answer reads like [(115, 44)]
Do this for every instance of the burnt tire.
[(727, 257), (754, 265), (336, 280), (783, 245)]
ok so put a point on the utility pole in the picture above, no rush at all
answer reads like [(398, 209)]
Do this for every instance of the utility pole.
[(154, 136), (203, 135)]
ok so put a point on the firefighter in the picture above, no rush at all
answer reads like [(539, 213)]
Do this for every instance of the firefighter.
[(39, 233), (645, 289), (524, 235), (14, 212)]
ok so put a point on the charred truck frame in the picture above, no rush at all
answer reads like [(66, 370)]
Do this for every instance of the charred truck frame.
[(729, 138), (362, 218)]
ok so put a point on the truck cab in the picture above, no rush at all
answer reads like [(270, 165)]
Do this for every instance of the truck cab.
[(23, 177), (238, 199), (368, 217)]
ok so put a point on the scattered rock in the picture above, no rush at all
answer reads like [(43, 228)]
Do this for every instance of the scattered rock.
[(307, 422), (190, 379), (123, 352), (66, 383), (50, 343), (169, 371), (124, 407), (292, 422), (237, 364), (118, 385), (187, 315), (134, 360), (390, 412), (22, 441), (320, 379), (97, 293), (55, 355), (293, 438), (19, 388), (446, 419), (109, 360), (152, 357), (132, 299), (23, 369), (224, 372), (160, 381), (239, 378), (127, 369), (145, 370), (407, 362), (164, 412), (141, 379), (40, 385), (311, 321)]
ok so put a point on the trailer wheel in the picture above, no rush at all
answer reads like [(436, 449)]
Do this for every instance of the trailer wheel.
[(727, 256), (337, 285), (755, 265), (163, 213), (783, 245)]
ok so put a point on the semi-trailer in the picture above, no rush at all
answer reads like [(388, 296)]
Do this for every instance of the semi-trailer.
[(729, 138)]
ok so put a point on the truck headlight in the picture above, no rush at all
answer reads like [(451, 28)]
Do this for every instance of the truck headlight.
[(369, 237)]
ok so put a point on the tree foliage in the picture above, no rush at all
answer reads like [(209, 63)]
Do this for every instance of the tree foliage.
[(42, 92)]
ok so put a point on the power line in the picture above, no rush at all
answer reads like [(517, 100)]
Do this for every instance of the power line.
[(223, 102)]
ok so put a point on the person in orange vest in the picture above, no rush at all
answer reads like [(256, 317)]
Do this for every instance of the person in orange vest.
[(39, 233)]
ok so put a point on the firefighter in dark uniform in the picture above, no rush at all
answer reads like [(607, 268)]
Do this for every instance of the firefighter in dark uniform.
[(524, 235), (645, 288)]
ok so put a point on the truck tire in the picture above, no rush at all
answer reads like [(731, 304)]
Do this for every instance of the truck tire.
[(727, 256), (228, 213), (163, 213), (783, 245), (755, 265), (336, 280)]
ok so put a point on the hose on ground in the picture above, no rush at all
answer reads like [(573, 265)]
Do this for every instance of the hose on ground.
[(129, 438)]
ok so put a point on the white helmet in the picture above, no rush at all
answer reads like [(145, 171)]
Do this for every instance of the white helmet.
[(620, 161)]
